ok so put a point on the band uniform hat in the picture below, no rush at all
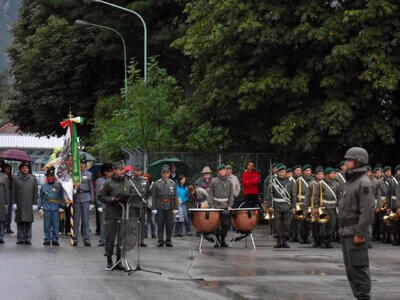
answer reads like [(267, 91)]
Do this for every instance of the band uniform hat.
[(387, 168), (139, 167), (228, 167), (281, 167), (328, 170), (221, 167), (165, 168), (306, 166), (397, 168), (119, 165)]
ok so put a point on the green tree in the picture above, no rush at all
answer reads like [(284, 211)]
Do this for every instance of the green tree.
[(146, 119), (298, 78)]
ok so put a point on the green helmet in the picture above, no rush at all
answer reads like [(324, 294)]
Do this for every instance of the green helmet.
[(359, 154)]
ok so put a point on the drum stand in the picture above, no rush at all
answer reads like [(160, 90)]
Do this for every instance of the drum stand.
[(139, 267), (123, 260), (201, 241), (244, 236)]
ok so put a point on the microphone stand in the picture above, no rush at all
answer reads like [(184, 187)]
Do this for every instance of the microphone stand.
[(139, 267)]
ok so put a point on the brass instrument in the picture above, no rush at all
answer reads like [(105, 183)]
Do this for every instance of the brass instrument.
[(267, 216), (386, 220), (323, 217), (299, 214), (393, 216)]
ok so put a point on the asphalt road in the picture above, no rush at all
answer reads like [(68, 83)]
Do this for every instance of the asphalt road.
[(301, 272)]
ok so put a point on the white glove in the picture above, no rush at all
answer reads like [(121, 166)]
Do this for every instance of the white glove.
[(15, 207), (100, 209), (41, 211), (154, 211), (91, 207), (60, 209), (34, 207)]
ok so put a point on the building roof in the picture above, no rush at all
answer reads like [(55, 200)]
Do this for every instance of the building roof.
[(16, 141), (9, 128)]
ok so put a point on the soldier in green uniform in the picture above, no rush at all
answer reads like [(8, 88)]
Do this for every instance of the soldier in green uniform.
[(112, 191), (221, 196), (354, 222), (390, 196), (138, 206), (293, 226), (329, 189), (379, 203), (313, 201), (280, 202), (165, 196), (300, 193)]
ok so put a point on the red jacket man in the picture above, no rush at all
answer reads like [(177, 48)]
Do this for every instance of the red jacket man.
[(250, 181)]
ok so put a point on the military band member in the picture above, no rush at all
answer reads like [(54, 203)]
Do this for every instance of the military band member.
[(138, 206), (329, 192), (313, 201), (112, 191), (221, 196), (300, 193), (165, 196), (280, 202), (50, 201), (379, 203), (388, 187)]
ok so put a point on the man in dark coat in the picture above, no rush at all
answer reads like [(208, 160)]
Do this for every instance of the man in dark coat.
[(355, 220), (25, 196)]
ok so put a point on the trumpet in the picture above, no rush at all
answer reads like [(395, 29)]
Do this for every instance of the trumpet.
[(267, 215), (299, 214), (323, 216)]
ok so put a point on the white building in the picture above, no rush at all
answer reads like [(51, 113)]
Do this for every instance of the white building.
[(39, 148)]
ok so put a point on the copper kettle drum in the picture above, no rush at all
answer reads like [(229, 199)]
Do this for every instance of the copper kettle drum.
[(205, 220), (245, 219)]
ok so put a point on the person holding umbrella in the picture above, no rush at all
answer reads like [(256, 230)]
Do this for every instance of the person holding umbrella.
[(24, 198)]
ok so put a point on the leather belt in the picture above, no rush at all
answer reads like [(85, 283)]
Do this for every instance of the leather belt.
[(329, 201), (220, 199), (165, 200), (53, 200), (279, 200)]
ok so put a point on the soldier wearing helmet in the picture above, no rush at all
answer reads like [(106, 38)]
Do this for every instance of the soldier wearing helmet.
[(355, 220)]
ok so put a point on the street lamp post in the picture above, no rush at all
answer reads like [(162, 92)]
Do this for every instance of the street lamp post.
[(84, 23), (144, 29)]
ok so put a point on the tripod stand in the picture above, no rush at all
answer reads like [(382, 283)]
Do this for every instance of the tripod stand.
[(139, 267), (123, 221)]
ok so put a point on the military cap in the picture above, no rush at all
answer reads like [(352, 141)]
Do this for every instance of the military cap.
[(275, 165), (139, 167), (51, 171), (119, 165), (328, 170), (387, 168), (342, 163), (289, 170), (228, 167), (296, 167), (375, 169), (397, 167), (368, 167), (281, 167), (165, 168), (221, 167), (378, 165), (319, 169), (306, 166)]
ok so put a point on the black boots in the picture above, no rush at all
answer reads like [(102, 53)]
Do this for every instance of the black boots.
[(284, 243), (278, 243), (109, 262)]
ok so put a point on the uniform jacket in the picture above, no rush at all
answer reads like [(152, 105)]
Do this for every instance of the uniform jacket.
[(111, 188), (355, 204), (85, 192), (25, 194), (142, 185), (164, 189), (313, 197), (235, 185), (51, 191), (4, 196), (289, 203), (99, 183), (330, 193), (301, 189), (221, 189), (200, 196), (250, 181)]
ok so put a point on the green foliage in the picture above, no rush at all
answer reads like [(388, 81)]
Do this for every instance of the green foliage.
[(147, 119), (307, 74)]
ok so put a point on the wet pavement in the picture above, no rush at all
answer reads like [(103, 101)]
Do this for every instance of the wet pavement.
[(301, 272)]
